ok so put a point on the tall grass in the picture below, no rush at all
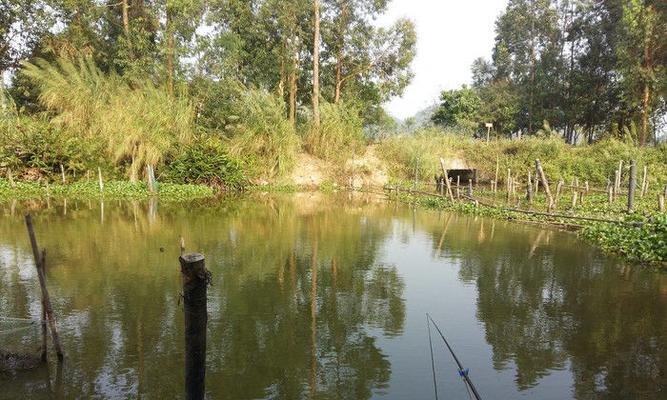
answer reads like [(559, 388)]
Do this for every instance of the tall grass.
[(262, 137), (138, 123), (595, 163), (340, 134)]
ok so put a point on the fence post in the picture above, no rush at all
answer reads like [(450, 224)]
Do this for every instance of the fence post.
[(631, 185), (195, 282)]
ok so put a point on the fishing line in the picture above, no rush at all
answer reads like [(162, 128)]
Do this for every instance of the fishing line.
[(430, 343), (463, 372)]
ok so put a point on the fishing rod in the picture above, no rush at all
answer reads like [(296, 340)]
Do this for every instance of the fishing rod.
[(463, 372)]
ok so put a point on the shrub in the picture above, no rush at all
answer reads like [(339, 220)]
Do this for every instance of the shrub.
[(340, 134), (205, 161)]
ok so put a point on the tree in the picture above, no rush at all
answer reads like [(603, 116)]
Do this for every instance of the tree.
[(641, 55), (458, 108)]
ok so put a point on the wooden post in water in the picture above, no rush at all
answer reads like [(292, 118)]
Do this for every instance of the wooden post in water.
[(195, 281), (42, 284), (632, 185), (545, 183)]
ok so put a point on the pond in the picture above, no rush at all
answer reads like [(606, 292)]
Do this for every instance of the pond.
[(324, 297)]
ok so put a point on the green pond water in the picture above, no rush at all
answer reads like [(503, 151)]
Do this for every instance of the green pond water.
[(324, 297)]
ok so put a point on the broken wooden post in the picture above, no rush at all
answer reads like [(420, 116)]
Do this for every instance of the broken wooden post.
[(574, 199), (610, 195), (545, 183), (42, 284), (632, 185), (449, 186), (469, 187), (195, 282), (661, 203)]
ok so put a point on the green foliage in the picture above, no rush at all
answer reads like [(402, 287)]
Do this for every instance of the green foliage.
[(340, 134), (112, 190), (646, 242), (205, 162), (32, 143), (261, 136)]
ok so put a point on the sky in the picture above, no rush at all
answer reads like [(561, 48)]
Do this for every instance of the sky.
[(451, 34)]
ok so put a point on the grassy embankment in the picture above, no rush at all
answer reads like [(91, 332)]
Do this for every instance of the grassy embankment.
[(639, 236)]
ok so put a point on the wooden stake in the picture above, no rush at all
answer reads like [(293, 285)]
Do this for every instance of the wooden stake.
[(470, 187), (42, 283), (449, 186), (559, 190), (545, 183), (610, 195), (632, 185), (661, 203), (195, 282), (62, 171), (495, 189)]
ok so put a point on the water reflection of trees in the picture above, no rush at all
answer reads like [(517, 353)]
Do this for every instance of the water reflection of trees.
[(549, 303), (293, 297)]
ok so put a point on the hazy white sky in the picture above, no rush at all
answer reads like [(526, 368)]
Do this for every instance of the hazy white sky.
[(450, 35)]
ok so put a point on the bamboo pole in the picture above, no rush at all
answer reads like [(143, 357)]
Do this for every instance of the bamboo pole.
[(42, 284), (545, 183), (195, 282), (632, 185), (642, 190)]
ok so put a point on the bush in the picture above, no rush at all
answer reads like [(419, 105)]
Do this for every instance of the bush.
[(33, 145), (205, 162), (340, 134)]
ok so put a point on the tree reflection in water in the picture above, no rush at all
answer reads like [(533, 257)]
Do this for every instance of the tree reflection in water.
[(550, 304), (295, 291)]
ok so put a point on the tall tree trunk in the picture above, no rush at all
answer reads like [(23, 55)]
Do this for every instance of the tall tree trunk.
[(646, 101), (339, 76), (316, 64), (171, 51), (292, 81), (126, 18)]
